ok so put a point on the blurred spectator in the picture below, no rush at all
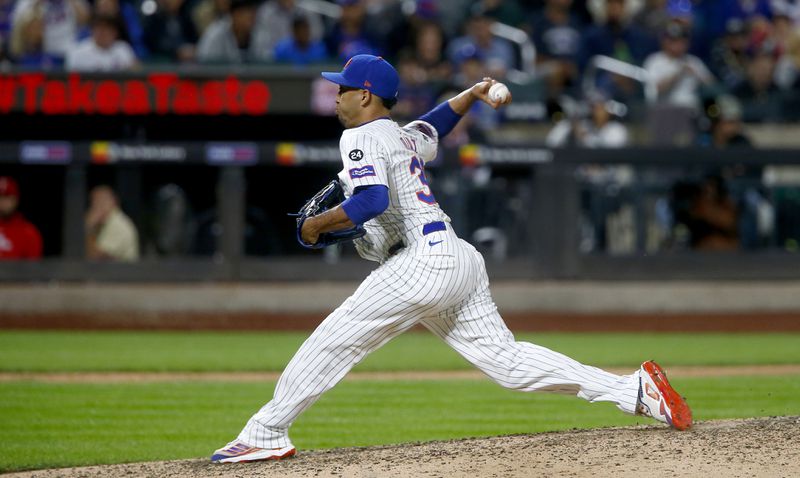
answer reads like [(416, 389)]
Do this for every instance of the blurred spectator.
[(6, 10), (130, 24), (458, 12), (789, 8), (604, 220), (299, 48), (556, 34), (725, 131), (27, 41), (782, 29), (274, 23), (19, 239), (613, 35), (496, 53), (110, 234), (654, 16), (677, 74), (783, 33), (103, 51), (351, 36), (415, 94), (429, 48), (207, 12), (230, 40), (169, 31), (717, 13), (712, 217), (470, 70), (600, 130), (504, 11), (482, 117), (788, 66), (173, 225), (729, 54), (761, 33), (62, 21), (755, 213), (399, 22), (759, 93)]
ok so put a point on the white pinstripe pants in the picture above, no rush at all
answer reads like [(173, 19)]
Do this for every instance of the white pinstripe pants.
[(448, 292)]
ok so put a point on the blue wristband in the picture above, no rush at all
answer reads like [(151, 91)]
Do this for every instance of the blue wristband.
[(366, 202), (442, 118)]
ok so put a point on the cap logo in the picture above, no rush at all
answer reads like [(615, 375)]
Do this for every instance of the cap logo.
[(367, 84)]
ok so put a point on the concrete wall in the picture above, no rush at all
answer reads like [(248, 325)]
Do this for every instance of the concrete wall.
[(580, 297)]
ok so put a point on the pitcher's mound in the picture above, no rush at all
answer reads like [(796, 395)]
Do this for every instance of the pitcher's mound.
[(746, 448)]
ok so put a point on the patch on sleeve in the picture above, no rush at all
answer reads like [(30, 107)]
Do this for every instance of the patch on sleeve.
[(362, 172), (356, 155)]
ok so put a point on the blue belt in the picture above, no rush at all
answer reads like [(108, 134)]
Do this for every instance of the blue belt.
[(426, 229), (433, 227)]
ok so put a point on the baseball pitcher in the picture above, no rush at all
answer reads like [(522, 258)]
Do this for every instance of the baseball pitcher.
[(427, 274)]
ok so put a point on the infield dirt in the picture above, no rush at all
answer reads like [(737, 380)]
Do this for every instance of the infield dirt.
[(732, 448), (137, 377)]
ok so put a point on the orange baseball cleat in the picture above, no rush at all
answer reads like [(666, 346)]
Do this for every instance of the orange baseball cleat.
[(657, 398)]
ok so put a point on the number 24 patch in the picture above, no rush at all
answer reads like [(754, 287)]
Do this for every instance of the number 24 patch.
[(356, 155)]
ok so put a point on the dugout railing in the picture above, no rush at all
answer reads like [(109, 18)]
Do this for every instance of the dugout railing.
[(527, 208)]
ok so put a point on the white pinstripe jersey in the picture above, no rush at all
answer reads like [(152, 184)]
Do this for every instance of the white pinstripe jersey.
[(438, 281), (381, 152)]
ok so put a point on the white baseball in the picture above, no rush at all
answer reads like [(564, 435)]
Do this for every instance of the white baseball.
[(498, 92)]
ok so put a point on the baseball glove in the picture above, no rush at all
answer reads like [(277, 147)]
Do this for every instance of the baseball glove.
[(327, 198)]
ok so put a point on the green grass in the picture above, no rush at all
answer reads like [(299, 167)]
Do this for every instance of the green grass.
[(252, 351), (54, 425)]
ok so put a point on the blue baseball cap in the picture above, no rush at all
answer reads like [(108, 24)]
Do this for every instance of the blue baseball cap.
[(368, 72)]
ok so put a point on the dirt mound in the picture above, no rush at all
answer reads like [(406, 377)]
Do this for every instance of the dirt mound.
[(746, 448)]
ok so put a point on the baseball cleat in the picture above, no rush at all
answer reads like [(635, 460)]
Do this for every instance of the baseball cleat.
[(657, 398), (238, 452)]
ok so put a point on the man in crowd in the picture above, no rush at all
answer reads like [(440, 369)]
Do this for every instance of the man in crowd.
[(275, 22), (103, 51), (300, 48), (231, 39), (110, 234), (19, 239), (678, 74)]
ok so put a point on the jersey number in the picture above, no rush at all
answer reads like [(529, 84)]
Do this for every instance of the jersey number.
[(418, 170)]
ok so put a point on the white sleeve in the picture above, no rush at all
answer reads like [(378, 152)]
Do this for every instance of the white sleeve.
[(77, 58), (21, 8), (364, 159), (614, 135), (653, 67), (211, 45), (428, 139), (126, 55), (702, 70)]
